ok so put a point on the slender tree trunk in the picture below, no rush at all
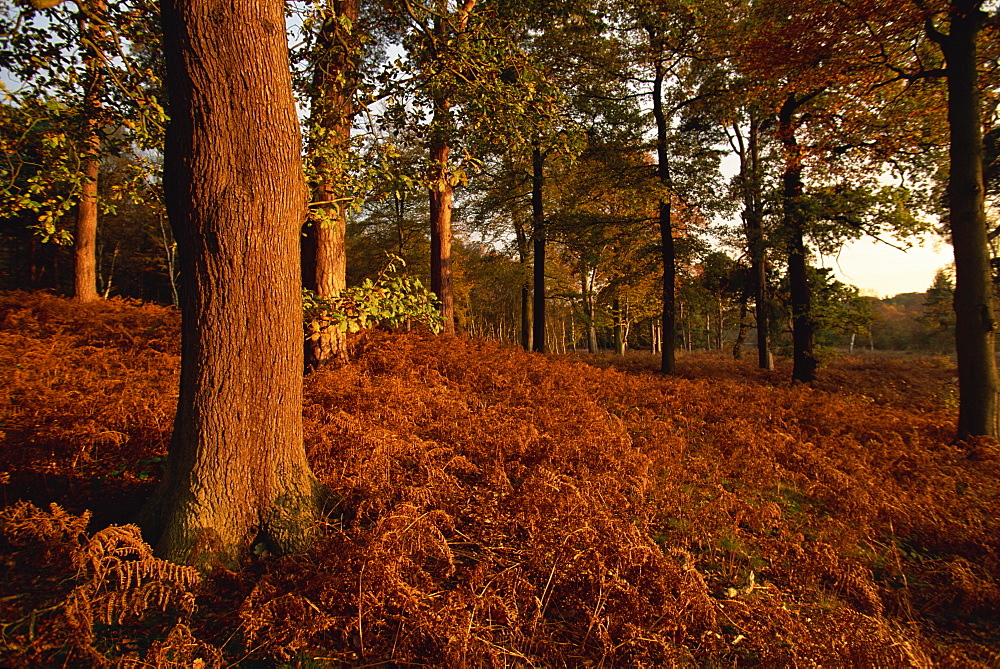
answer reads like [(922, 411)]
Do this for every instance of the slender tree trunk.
[(667, 252), (572, 327), (757, 243), (538, 233), (803, 359), (626, 326), (975, 321), (170, 256), (400, 210), (85, 237), (442, 189), (616, 317), (720, 326), (588, 309), (441, 195), (526, 316), (741, 336), (237, 473), (522, 258), (34, 268), (334, 83)]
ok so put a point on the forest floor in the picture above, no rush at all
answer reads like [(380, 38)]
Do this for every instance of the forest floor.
[(500, 508)]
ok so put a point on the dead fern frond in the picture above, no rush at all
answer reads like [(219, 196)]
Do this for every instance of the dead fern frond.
[(503, 509), (109, 582)]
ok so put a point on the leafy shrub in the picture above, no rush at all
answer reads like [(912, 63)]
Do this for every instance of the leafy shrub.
[(392, 300)]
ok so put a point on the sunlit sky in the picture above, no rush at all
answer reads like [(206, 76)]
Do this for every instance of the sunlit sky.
[(881, 270), (877, 268)]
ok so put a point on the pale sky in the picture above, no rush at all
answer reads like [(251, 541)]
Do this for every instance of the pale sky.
[(880, 270)]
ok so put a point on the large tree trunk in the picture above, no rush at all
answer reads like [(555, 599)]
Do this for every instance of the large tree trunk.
[(237, 473), (803, 328), (85, 237), (441, 194), (975, 324), (334, 82), (668, 254), (538, 234)]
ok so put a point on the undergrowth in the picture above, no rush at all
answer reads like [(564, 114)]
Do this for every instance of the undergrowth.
[(506, 509)]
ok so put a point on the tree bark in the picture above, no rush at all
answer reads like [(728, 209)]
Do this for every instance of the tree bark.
[(522, 258), (741, 334), (720, 325), (441, 195), (803, 328), (85, 236), (525, 316), (442, 190), (589, 310), (237, 473), (667, 251), (618, 327), (538, 234), (975, 322), (334, 83), (758, 252), (753, 227)]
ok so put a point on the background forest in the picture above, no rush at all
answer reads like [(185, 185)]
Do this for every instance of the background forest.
[(565, 129), (411, 334)]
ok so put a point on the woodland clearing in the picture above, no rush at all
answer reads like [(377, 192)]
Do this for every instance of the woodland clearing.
[(500, 508)]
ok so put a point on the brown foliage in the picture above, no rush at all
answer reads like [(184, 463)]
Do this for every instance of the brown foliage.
[(80, 600), (91, 389), (497, 507)]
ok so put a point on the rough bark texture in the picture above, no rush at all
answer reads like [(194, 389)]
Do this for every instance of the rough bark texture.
[(85, 236), (668, 254), (975, 322), (324, 255), (237, 473), (442, 190), (538, 232), (327, 274), (441, 194), (803, 328)]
